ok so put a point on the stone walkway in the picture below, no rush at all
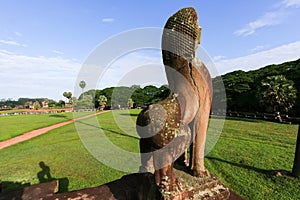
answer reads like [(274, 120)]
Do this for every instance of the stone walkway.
[(34, 133)]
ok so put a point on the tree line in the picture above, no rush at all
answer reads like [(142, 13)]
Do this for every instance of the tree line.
[(122, 97), (270, 89), (25, 102), (274, 88)]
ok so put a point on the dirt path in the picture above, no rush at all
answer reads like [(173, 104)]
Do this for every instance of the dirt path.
[(34, 133)]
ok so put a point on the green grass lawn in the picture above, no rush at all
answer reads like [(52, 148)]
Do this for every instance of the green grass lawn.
[(12, 126), (13, 111), (64, 153), (248, 154), (244, 158)]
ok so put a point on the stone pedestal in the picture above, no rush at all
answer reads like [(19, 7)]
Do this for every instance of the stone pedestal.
[(37, 191), (198, 188)]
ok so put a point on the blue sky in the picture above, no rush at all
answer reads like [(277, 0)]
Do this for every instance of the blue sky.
[(43, 44)]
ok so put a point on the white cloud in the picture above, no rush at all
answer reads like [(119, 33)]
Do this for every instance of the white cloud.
[(12, 42), (9, 42), (28, 76), (258, 48), (268, 19), (136, 68), (275, 17), (18, 34), (3, 51), (217, 58), (57, 52), (291, 3), (276, 55), (108, 20)]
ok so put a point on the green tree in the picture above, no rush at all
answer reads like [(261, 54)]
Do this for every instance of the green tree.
[(65, 94), (161, 93), (68, 95), (61, 103), (130, 103), (85, 103), (102, 102), (120, 96), (277, 93), (106, 92), (238, 90), (138, 96), (82, 85), (73, 100), (36, 105), (51, 104), (27, 104)]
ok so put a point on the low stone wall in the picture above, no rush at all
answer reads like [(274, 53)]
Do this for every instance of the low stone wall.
[(130, 187)]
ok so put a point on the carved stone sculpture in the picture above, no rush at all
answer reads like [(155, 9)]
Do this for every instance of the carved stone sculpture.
[(167, 128), (164, 138), (189, 78)]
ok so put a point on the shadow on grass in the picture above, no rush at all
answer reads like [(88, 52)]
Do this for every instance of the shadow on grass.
[(130, 114), (110, 130), (63, 185), (44, 176), (267, 173), (22, 190), (8, 186), (245, 119), (58, 116)]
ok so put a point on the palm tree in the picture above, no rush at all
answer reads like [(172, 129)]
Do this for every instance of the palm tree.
[(65, 94), (102, 101), (82, 85), (68, 95), (278, 92)]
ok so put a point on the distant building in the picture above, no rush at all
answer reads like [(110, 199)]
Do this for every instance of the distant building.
[(45, 104), (19, 107), (31, 106), (5, 107)]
